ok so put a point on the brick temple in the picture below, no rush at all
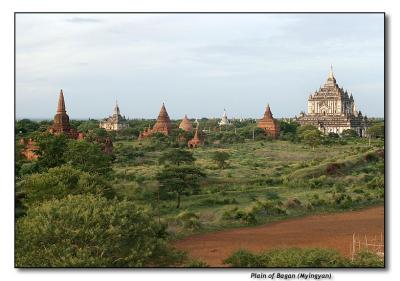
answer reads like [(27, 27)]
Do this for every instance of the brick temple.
[(162, 125), (269, 124), (61, 123), (186, 125)]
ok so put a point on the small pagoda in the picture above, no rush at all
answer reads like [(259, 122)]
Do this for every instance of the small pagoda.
[(269, 124), (162, 125), (186, 125), (196, 141)]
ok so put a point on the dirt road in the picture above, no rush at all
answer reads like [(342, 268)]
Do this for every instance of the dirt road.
[(324, 231)]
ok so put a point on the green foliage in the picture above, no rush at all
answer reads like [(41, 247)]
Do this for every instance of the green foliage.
[(377, 182), (177, 156), (349, 134), (25, 126), (288, 257), (88, 157), (61, 181), (127, 153), (377, 130), (87, 126), (220, 157), (89, 231), (196, 263), (310, 135), (188, 220), (51, 149), (180, 180), (367, 259)]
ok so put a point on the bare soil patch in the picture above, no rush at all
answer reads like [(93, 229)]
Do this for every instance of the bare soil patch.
[(322, 231)]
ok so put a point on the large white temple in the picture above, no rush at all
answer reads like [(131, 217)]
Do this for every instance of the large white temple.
[(332, 110), (114, 122)]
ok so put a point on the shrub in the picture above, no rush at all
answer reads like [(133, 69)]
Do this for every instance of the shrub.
[(292, 203), (62, 181), (90, 231), (377, 182), (188, 220), (288, 257), (367, 259)]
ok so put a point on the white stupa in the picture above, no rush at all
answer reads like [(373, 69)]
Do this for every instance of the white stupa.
[(224, 120)]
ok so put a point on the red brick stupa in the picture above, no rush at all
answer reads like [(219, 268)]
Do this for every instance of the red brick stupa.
[(61, 120), (29, 149), (186, 125), (163, 125), (269, 124), (195, 141)]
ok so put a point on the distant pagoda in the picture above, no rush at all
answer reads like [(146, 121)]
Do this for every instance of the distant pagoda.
[(196, 141), (61, 123), (332, 110), (224, 120), (269, 124), (162, 125), (186, 125), (114, 122)]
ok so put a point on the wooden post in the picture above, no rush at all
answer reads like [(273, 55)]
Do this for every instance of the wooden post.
[(354, 246)]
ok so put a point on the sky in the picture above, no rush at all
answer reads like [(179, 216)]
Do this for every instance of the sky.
[(197, 64)]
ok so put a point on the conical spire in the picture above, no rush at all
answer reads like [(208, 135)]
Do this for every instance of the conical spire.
[(267, 112), (163, 123), (61, 103), (186, 125), (116, 108), (331, 73)]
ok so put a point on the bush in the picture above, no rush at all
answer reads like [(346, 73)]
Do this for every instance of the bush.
[(288, 257), (377, 182), (188, 220), (367, 259), (292, 203), (59, 182), (90, 231)]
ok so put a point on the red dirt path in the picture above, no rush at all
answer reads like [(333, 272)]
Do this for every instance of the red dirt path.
[(323, 231)]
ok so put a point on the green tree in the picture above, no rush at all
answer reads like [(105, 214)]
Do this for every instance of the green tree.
[(89, 125), (180, 180), (25, 126), (51, 149), (90, 231), (61, 181), (220, 157), (377, 130), (310, 135), (349, 133), (88, 157), (177, 156)]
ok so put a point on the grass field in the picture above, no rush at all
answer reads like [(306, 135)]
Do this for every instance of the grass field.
[(264, 181)]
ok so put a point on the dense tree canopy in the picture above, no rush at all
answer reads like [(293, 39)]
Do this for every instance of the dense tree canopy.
[(177, 156), (88, 157), (61, 181), (51, 149), (90, 231)]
